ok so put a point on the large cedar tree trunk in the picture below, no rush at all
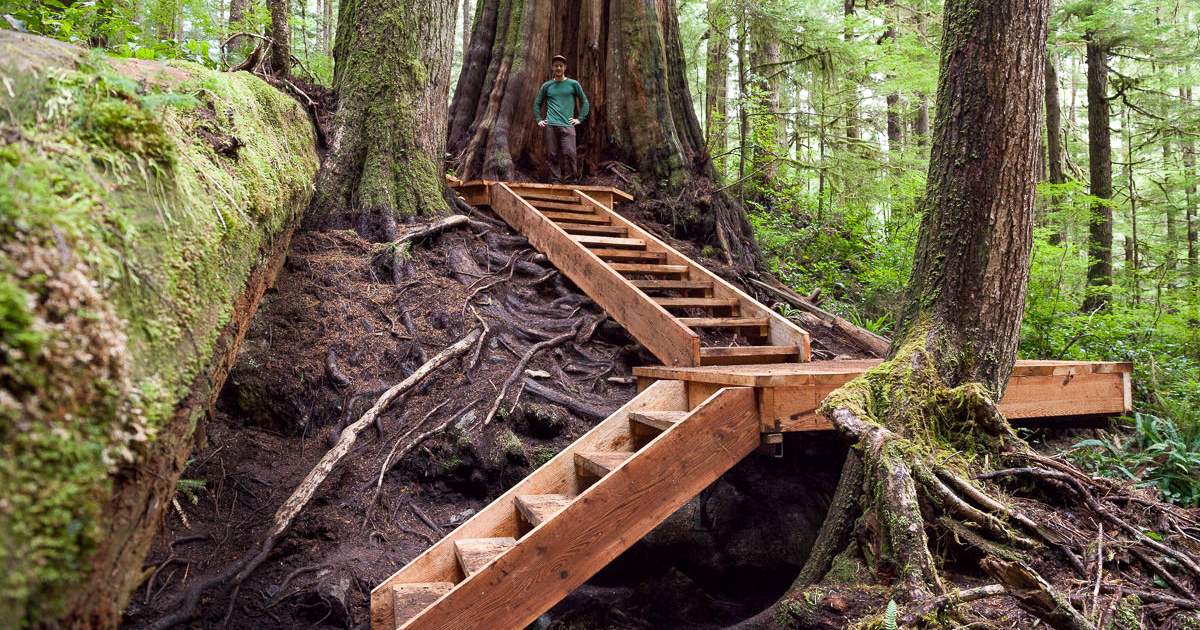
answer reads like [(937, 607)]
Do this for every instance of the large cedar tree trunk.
[(392, 62), (279, 31), (628, 57), (716, 77), (1100, 229), (1054, 158)]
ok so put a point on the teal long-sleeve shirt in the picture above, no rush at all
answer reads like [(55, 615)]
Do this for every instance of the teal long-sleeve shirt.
[(559, 98)]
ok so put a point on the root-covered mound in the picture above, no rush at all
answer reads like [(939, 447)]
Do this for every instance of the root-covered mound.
[(941, 504)]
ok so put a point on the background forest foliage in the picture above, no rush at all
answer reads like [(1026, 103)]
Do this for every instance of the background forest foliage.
[(818, 113)]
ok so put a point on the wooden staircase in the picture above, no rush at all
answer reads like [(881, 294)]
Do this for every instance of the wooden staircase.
[(520, 555), (659, 295)]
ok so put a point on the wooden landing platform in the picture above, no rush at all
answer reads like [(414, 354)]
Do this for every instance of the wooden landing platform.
[(789, 393)]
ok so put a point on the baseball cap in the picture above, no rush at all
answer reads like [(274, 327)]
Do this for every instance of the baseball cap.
[(558, 58)]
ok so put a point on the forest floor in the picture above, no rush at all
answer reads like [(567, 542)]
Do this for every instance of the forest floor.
[(342, 324)]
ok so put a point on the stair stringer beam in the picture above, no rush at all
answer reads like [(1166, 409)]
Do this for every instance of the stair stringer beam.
[(606, 519)]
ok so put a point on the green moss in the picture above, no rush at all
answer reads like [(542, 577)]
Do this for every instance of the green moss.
[(1128, 614), (126, 241)]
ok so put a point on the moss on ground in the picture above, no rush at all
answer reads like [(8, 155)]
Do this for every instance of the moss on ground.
[(126, 241)]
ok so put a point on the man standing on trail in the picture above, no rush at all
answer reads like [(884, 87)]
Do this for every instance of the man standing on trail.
[(559, 94)]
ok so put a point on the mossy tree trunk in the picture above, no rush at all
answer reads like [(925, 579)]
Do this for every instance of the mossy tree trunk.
[(279, 32), (628, 57), (392, 63)]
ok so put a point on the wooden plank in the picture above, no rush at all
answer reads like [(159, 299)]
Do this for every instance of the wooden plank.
[(655, 422), (593, 219), (748, 354), (634, 269), (782, 332), (672, 285), (615, 242), (598, 230), (570, 207), (629, 255), (411, 599), (604, 521), (557, 476), (539, 508), (539, 194), (697, 302), (474, 553), (656, 329), (722, 322), (599, 463), (563, 188)]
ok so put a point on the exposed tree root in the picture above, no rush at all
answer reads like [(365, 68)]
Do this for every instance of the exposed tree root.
[(236, 573), (929, 461)]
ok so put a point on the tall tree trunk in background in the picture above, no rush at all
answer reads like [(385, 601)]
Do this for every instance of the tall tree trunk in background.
[(1191, 200), (278, 30), (392, 62), (468, 13), (716, 77), (1054, 159), (765, 124), (922, 122), (852, 131), (628, 57), (237, 13), (327, 26), (1100, 229), (895, 130)]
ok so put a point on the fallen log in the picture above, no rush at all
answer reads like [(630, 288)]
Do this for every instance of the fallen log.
[(135, 259)]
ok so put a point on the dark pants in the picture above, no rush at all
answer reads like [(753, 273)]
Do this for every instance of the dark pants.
[(560, 143)]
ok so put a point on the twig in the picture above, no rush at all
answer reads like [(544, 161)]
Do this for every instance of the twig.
[(1099, 572), (425, 519)]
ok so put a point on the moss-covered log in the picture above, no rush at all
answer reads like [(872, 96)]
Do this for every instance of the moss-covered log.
[(144, 210)]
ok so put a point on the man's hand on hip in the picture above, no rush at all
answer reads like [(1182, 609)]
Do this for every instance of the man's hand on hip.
[(542, 124), (574, 121)]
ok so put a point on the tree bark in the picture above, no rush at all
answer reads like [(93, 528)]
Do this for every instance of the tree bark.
[(468, 12), (278, 30), (976, 234), (1054, 160), (327, 26), (392, 62), (1099, 275), (628, 57), (237, 13), (1189, 171), (895, 130), (852, 131), (716, 78)]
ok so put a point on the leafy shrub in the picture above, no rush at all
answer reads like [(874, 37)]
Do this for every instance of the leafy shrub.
[(1157, 453)]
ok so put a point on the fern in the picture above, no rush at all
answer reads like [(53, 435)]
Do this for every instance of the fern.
[(889, 617)]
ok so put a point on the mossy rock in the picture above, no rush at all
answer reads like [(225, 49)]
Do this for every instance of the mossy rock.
[(135, 245)]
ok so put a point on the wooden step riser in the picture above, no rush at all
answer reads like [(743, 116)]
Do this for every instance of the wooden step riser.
[(629, 256), (592, 230), (567, 217), (607, 519), (500, 518)]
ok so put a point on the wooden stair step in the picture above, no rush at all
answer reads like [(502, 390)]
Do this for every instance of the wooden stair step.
[(592, 219), (614, 242), (570, 208), (748, 354), (597, 230), (655, 421), (637, 269), (565, 196), (723, 322), (539, 508), (410, 599), (695, 302), (672, 285), (629, 255), (599, 464), (474, 553)]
